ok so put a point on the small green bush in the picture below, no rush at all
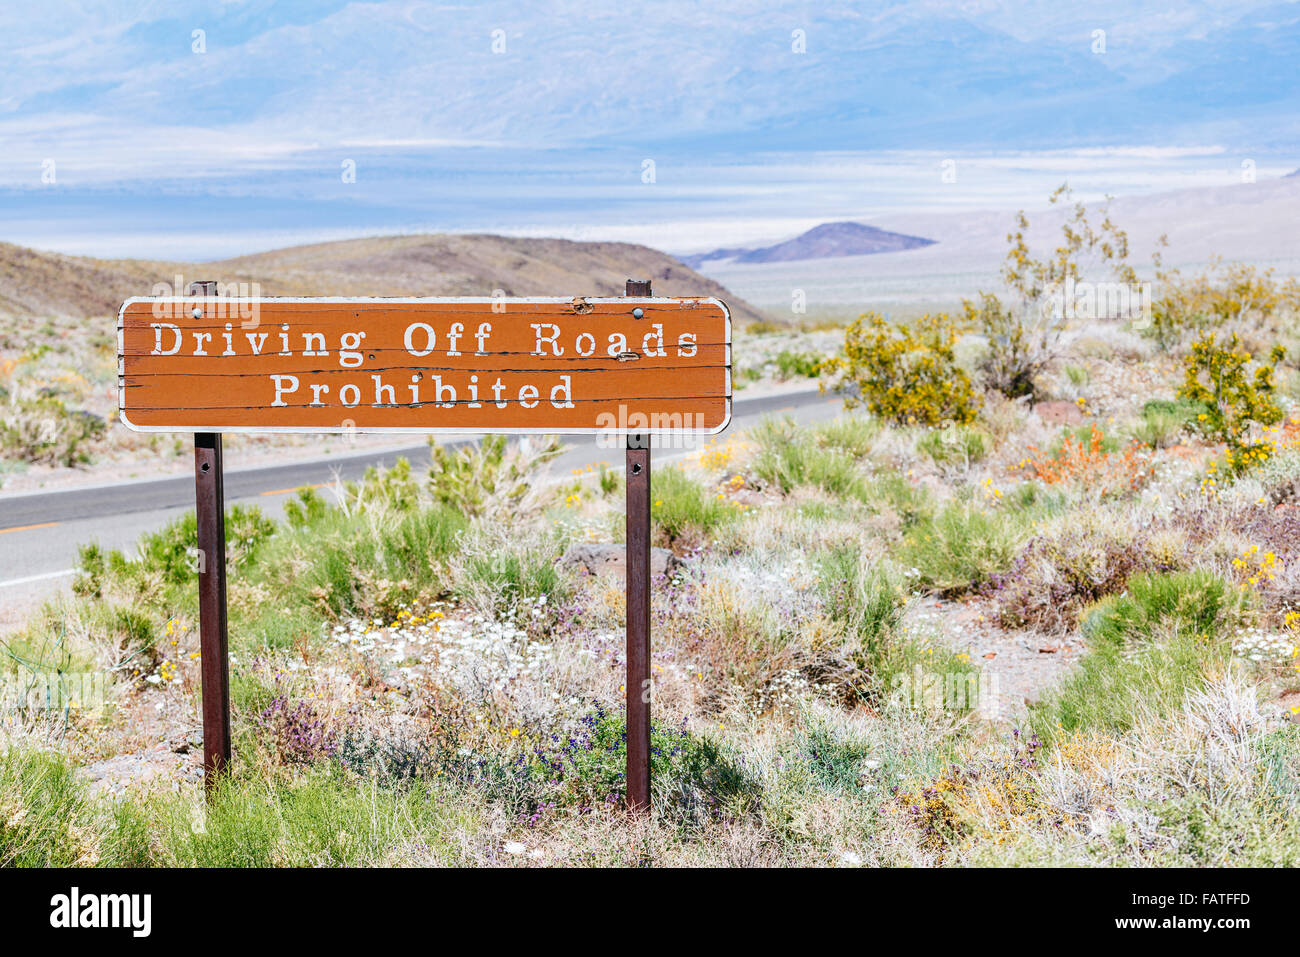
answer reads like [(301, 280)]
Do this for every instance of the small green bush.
[(1164, 420), (853, 434), (1191, 602), (961, 547), (791, 458), (803, 365), (680, 505), (1146, 649), (954, 445), (487, 476), (868, 598), (42, 430)]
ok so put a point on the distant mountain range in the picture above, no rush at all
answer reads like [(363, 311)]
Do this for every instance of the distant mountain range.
[(1251, 222), (827, 241)]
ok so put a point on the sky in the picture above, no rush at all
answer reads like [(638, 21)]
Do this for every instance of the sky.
[(200, 130)]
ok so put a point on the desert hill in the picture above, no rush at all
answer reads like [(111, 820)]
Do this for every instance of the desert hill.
[(36, 283)]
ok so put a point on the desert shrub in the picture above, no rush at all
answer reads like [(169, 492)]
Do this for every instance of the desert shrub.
[(680, 506), (1075, 562), (490, 476), (533, 773), (36, 426), (892, 491), (868, 597), (43, 431), (171, 553), (1164, 420), (1089, 460), (906, 373), (1217, 377), (1192, 602), (978, 799), (1147, 648), (1078, 376), (381, 547), (1020, 346), (1022, 335), (791, 458), (693, 779), (347, 565), (854, 434), (961, 547), (804, 365), (1220, 295), (954, 445), (306, 508), (503, 573), (295, 732), (393, 488)]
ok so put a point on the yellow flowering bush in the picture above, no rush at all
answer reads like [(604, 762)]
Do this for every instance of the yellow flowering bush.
[(907, 373), (1220, 295), (1218, 378)]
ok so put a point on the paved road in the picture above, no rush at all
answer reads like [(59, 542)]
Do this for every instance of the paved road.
[(40, 531)]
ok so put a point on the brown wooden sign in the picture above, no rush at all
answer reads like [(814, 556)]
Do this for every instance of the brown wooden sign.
[(624, 365)]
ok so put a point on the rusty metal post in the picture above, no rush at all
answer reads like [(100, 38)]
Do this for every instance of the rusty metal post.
[(210, 509), (639, 685)]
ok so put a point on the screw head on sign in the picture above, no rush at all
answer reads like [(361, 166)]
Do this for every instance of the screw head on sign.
[(638, 312), (197, 313)]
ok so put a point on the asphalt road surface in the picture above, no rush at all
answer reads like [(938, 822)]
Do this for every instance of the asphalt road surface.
[(41, 531)]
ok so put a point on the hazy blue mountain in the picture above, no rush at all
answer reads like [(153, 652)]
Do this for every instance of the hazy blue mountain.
[(826, 241)]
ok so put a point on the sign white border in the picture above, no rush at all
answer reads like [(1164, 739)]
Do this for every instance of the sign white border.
[(630, 301)]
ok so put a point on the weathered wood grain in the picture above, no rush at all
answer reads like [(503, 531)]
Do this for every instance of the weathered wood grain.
[(425, 365)]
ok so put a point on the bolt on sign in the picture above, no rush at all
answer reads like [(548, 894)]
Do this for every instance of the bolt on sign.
[(622, 365)]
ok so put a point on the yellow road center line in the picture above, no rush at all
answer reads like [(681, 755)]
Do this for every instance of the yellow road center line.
[(285, 491), (27, 528)]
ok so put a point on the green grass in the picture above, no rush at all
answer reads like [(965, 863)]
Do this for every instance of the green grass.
[(1163, 420), (1146, 649), (324, 818), (681, 506), (962, 546), (955, 445), (379, 551), (791, 365), (852, 434), (789, 458), (508, 578), (1082, 436), (43, 812), (869, 598)]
